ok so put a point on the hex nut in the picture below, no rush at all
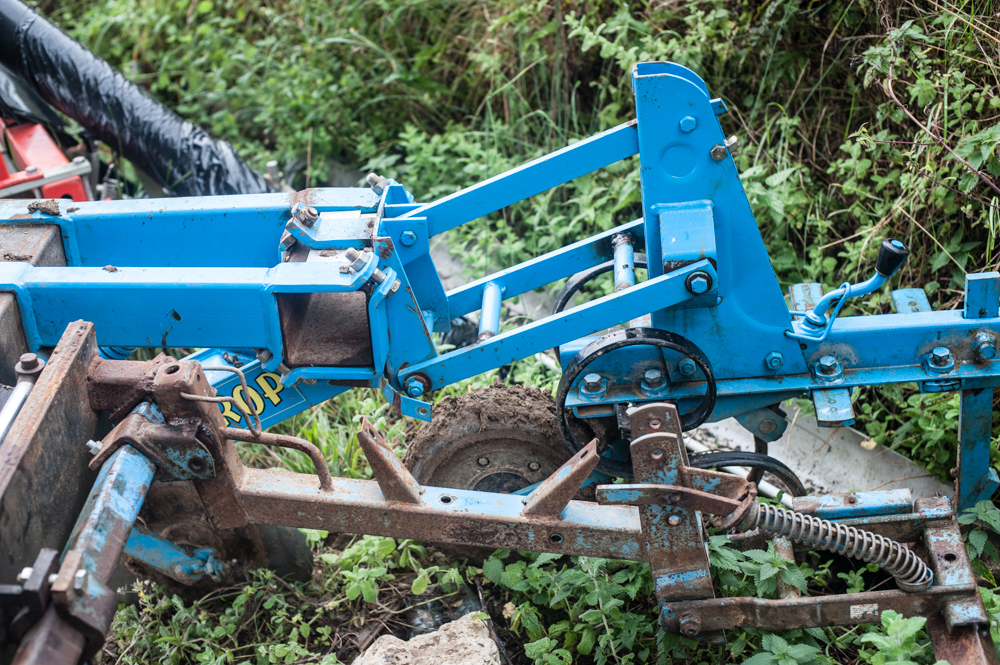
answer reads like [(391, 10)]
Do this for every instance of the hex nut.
[(986, 347), (688, 124), (940, 356), (687, 367), (698, 282), (827, 365), (652, 379), (593, 383), (774, 360), (690, 624)]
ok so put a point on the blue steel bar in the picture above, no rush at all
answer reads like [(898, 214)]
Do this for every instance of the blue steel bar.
[(624, 261), (529, 179), (489, 316), (977, 479), (182, 232), (554, 330), (544, 269), (171, 560), (107, 517)]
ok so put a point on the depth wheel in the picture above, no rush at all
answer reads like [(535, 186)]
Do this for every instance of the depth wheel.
[(497, 439)]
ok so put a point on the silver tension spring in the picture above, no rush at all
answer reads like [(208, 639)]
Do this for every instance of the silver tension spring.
[(910, 572)]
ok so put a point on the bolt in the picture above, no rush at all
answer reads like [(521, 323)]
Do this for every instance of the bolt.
[(774, 360), (733, 144), (80, 582), (674, 520), (79, 159), (986, 346), (690, 624), (264, 355), (408, 238), (357, 258), (698, 282), (378, 276), (851, 498), (767, 426), (652, 379), (593, 383), (688, 124), (483, 461), (31, 169), (94, 447), (718, 152), (305, 215), (414, 388), (687, 366), (940, 356), (25, 574), (29, 361), (376, 182), (534, 466), (52, 578), (828, 365)]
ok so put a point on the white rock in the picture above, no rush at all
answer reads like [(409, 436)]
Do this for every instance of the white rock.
[(463, 642)]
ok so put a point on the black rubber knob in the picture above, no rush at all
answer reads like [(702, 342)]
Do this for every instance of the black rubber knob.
[(891, 255)]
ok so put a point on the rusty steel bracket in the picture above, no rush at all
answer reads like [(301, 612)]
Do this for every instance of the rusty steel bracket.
[(394, 479), (554, 493), (83, 601), (118, 386), (175, 449)]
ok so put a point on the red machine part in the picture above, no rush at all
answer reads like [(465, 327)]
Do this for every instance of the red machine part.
[(31, 145)]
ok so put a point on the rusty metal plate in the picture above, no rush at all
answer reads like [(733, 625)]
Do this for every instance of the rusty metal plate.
[(326, 329), (44, 479)]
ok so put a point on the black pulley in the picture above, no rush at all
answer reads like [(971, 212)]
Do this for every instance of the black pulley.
[(617, 340)]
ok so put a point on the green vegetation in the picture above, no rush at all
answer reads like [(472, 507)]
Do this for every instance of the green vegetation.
[(859, 119)]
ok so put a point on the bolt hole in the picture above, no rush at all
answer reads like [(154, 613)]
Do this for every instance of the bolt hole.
[(196, 464), (555, 538), (446, 499), (657, 454), (655, 424), (172, 369), (950, 557)]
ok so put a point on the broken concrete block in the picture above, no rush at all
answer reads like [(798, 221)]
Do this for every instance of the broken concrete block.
[(466, 641)]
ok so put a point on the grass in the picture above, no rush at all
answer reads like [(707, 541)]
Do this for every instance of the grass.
[(859, 119)]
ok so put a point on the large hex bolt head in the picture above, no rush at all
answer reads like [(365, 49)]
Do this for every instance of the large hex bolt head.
[(593, 383), (698, 283), (940, 356), (827, 365), (688, 124), (652, 379), (408, 238), (774, 360)]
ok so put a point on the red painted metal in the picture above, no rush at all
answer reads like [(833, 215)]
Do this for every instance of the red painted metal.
[(31, 145)]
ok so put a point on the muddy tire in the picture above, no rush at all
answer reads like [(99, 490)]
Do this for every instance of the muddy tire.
[(497, 439), (174, 511)]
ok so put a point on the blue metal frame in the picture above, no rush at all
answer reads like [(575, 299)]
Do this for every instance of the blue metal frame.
[(158, 273)]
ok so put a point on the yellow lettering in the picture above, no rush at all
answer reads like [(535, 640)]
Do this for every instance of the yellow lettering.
[(228, 413), (270, 389), (258, 402)]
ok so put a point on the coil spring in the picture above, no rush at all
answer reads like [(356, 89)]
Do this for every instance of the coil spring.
[(910, 572)]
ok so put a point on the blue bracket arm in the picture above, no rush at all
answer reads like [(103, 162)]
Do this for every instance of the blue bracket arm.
[(529, 179), (544, 269), (661, 292)]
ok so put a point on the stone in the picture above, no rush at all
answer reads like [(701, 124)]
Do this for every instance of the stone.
[(466, 641)]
